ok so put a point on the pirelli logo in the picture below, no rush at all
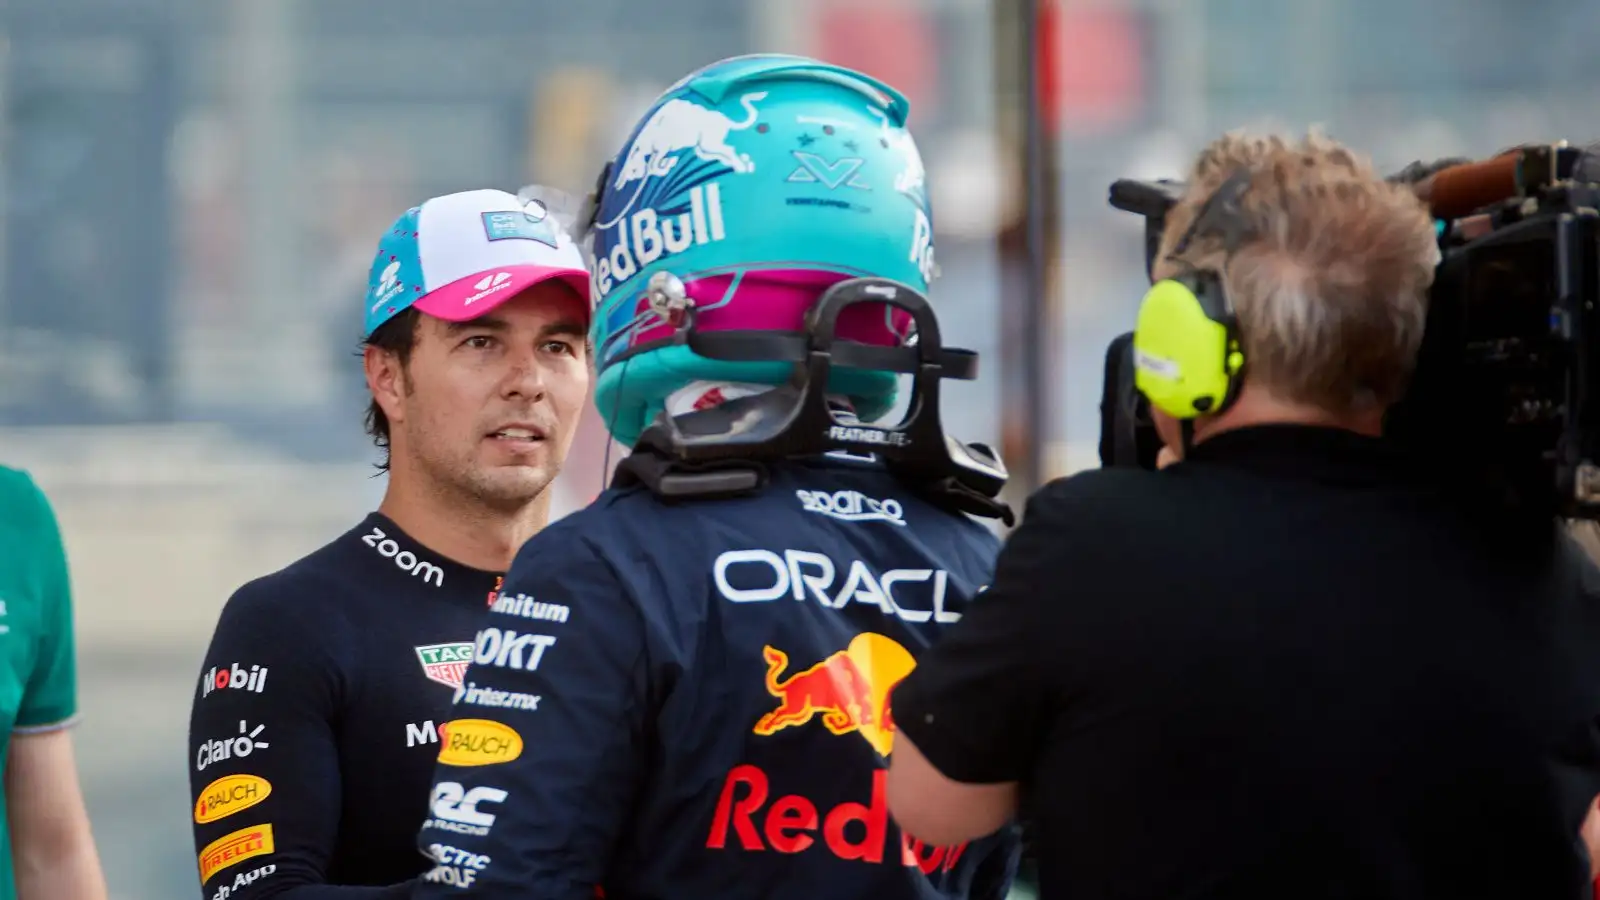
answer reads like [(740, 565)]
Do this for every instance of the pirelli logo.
[(230, 849)]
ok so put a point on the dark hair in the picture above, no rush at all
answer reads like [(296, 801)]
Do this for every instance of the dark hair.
[(397, 336)]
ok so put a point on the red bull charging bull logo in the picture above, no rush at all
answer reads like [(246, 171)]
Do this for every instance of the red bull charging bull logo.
[(848, 692)]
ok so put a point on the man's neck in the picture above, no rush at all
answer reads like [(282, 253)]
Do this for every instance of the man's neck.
[(460, 528), (1261, 408)]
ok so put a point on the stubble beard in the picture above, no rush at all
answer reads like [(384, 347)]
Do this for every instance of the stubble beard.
[(504, 490)]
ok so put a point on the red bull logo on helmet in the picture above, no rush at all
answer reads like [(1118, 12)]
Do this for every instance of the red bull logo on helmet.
[(633, 230), (680, 125)]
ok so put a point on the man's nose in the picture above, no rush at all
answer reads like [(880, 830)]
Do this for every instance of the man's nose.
[(527, 375)]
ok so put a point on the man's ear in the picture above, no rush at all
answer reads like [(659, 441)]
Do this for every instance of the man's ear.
[(386, 379)]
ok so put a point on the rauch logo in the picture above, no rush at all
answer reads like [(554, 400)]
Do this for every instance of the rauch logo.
[(478, 742), (228, 795)]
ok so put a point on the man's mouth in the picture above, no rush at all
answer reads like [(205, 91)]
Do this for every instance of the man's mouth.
[(519, 433)]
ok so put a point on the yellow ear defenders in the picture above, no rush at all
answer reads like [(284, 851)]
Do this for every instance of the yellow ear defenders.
[(1186, 353)]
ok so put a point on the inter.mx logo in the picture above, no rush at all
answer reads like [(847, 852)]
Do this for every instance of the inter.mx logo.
[(233, 678)]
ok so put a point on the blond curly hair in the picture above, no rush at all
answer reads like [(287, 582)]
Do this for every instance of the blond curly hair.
[(1330, 281)]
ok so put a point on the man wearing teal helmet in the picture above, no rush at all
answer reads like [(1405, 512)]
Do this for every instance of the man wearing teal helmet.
[(712, 719)]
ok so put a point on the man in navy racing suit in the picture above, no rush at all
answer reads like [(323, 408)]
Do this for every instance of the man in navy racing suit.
[(314, 725), (712, 719)]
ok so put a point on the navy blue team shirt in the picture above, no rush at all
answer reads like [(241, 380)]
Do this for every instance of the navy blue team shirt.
[(315, 722), (691, 700)]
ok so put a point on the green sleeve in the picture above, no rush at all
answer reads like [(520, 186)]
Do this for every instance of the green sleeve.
[(50, 699)]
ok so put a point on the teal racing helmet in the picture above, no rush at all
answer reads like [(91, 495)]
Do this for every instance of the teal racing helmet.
[(757, 182)]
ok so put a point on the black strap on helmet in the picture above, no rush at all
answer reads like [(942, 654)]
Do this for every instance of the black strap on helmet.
[(723, 451)]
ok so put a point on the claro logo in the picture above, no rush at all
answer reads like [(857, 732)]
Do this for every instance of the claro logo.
[(404, 559)]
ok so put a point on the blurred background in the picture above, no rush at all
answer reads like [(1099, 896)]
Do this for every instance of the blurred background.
[(192, 191)]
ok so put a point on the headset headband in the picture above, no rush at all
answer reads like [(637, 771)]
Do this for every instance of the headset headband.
[(1221, 214)]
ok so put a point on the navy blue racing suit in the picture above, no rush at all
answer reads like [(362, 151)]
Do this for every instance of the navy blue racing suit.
[(710, 720)]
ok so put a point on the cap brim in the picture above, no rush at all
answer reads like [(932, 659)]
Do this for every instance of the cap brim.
[(463, 300)]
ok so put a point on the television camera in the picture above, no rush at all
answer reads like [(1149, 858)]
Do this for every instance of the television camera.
[(1505, 396)]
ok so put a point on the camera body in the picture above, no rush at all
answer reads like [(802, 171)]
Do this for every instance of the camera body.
[(1505, 397)]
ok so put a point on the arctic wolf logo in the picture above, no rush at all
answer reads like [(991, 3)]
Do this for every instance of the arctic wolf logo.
[(681, 125)]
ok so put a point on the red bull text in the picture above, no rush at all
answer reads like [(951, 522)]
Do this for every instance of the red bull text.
[(848, 692), (790, 824)]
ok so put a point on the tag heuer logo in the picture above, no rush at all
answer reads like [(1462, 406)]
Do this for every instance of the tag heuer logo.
[(446, 663)]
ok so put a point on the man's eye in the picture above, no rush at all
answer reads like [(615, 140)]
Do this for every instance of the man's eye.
[(559, 347), (479, 342)]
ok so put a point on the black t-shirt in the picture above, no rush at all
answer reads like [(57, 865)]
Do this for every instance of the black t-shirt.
[(1285, 668), (314, 729)]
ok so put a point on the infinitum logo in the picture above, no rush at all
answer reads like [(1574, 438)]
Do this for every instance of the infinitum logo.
[(529, 608)]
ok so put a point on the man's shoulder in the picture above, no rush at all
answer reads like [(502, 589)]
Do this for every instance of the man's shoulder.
[(796, 496), (16, 483), (312, 587), (22, 502), (1097, 492)]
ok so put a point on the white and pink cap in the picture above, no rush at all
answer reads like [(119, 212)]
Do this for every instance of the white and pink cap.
[(459, 256)]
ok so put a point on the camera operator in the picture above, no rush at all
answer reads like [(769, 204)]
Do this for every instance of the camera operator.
[(1289, 662)]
